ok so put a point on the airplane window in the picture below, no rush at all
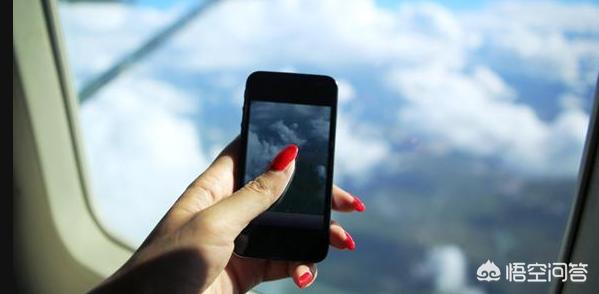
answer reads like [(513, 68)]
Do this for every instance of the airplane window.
[(461, 124)]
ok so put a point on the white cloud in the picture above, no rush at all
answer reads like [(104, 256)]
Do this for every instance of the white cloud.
[(98, 34), (272, 33), (570, 101), (554, 40), (143, 150), (475, 112), (447, 265), (426, 48), (413, 41), (286, 133), (346, 93), (425, 52), (263, 152), (321, 127), (357, 150)]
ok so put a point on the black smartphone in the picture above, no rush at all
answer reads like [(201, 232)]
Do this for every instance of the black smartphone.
[(281, 109)]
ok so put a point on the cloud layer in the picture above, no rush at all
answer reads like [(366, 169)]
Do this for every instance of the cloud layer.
[(423, 52), (477, 113), (143, 150), (457, 81), (99, 34)]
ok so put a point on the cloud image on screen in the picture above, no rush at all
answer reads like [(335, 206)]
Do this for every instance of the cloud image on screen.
[(272, 126)]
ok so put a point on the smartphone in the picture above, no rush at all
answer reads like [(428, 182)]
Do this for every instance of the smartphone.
[(281, 109)]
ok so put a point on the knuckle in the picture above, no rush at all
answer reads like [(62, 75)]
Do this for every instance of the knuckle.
[(206, 186), (261, 186), (208, 223), (205, 193), (209, 228)]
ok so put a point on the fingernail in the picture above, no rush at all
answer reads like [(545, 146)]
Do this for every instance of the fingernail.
[(284, 157), (304, 279), (358, 204), (349, 242)]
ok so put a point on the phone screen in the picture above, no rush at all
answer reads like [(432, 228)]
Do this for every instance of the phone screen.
[(274, 125)]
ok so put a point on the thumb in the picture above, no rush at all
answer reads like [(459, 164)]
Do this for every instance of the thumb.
[(235, 212)]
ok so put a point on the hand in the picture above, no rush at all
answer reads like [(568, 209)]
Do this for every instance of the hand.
[(190, 250)]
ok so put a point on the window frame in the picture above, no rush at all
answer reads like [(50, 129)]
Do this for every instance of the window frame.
[(72, 102), (580, 241), (48, 161)]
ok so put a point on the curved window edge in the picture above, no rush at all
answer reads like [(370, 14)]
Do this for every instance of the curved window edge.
[(580, 239), (49, 112)]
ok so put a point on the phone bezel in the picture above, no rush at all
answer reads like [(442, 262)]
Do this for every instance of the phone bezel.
[(292, 88)]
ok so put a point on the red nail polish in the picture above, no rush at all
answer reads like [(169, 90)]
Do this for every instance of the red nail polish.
[(304, 279), (284, 157), (358, 204), (349, 242)]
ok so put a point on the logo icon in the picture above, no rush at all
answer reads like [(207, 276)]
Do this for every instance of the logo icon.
[(488, 271)]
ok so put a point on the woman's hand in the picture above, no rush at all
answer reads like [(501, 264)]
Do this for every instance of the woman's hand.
[(190, 250)]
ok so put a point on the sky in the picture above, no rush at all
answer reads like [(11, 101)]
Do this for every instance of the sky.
[(272, 126), (276, 125), (507, 84)]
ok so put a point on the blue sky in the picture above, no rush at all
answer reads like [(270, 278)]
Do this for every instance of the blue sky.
[(402, 73), (454, 4), (450, 82), (418, 81)]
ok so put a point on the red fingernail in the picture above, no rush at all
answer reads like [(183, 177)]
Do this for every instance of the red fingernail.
[(284, 157), (349, 242), (358, 204), (304, 279)]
